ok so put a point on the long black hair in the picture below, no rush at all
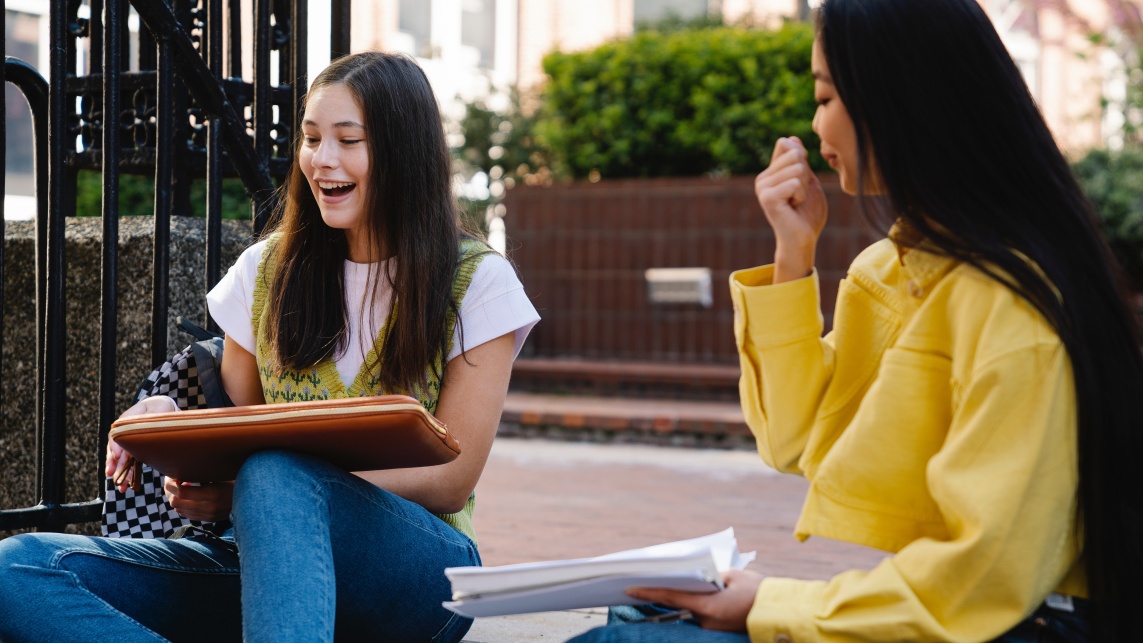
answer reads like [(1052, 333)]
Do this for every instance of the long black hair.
[(962, 154), (412, 215)]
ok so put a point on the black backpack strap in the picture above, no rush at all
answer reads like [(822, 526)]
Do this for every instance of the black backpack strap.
[(194, 330), (208, 358)]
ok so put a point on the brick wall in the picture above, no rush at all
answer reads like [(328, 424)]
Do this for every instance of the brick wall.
[(582, 249)]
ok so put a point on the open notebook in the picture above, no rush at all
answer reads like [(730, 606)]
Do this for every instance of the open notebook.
[(357, 434), (693, 565)]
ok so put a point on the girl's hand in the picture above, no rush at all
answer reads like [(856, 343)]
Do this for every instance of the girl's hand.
[(725, 610), (795, 206), (209, 502), (116, 456)]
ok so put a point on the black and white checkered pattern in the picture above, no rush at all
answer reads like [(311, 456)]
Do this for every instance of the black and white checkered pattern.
[(147, 514), (177, 378)]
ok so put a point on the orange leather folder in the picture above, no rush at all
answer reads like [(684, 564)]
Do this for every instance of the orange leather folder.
[(356, 434)]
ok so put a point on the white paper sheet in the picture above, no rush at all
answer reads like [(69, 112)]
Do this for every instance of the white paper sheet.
[(595, 592), (693, 565)]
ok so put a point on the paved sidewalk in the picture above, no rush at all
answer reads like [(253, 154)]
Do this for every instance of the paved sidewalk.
[(546, 500)]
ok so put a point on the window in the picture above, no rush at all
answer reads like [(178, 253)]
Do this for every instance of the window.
[(414, 21), (478, 29), (653, 10)]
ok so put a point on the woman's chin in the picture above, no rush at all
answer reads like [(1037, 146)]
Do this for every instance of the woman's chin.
[(848, 185)]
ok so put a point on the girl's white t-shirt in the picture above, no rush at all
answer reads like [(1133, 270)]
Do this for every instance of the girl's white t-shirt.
[(494, 305)]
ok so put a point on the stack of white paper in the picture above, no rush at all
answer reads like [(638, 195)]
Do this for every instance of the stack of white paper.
[(693, 565)]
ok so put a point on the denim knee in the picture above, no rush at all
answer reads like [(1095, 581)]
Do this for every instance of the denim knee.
[(268, 471), (25, 550), (270, 461), (12, 553), (17, 554), (269, 476)]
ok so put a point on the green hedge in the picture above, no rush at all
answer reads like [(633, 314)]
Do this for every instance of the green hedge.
[(137, 196), (687, 103), (1113, 182)]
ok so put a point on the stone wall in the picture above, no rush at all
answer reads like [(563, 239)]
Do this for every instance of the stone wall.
[(133, 345)]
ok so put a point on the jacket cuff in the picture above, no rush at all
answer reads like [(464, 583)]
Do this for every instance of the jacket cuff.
[(775, 314), (784, 611)]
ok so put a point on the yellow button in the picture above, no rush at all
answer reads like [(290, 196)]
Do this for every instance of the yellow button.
[(915, 289), (783, 638)]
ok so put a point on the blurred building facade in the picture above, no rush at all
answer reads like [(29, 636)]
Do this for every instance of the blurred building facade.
[(473, 46), (1059, 47), (479, 48)]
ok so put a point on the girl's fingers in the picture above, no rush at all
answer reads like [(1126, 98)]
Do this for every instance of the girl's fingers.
[(670, 597), (199, 502), (784, 188), (799, 195), (118, 462), (776, 197), (116, 458), (777, 176), (787, 151), (792, 183), (171, 489)]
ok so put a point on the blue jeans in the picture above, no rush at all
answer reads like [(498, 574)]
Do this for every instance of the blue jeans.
[(1045, 625), (320, 549)]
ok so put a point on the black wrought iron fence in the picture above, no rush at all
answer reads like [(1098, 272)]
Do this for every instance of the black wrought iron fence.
[(180, 110)]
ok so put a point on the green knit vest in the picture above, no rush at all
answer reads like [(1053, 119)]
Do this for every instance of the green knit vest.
[(322, 381)]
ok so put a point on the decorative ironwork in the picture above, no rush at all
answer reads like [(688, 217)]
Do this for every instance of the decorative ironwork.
[(179, 111), (197, 93)]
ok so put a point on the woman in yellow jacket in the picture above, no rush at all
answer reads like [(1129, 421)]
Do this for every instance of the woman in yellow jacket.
[(976, 410)]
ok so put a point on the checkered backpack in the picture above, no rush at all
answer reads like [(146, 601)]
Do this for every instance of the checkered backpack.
[(191, 379)]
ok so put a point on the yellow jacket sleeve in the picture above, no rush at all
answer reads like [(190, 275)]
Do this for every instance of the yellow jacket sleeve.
[(783, 358), (1004, 482)]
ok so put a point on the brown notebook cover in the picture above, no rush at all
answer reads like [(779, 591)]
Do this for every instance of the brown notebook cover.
[(356, 434)]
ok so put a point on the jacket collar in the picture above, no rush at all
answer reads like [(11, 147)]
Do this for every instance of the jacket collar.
[(919, 263)]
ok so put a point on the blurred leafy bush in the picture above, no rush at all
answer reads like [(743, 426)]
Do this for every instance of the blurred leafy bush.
[(678, 103), (1113, 182), (493, 151), (137, 196)]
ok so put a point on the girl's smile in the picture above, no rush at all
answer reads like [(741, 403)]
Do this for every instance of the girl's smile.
[(333, 191)]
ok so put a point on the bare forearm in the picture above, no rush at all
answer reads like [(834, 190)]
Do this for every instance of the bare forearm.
[(434, 488), (470, 405)]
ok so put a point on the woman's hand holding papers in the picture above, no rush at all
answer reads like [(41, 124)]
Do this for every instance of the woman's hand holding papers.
[(725, 610)]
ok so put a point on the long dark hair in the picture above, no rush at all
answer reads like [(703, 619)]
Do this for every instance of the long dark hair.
[(412, 215), (963, 155)]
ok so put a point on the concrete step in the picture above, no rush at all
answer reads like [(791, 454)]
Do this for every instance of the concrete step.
[(640, 379), (624, 419)]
